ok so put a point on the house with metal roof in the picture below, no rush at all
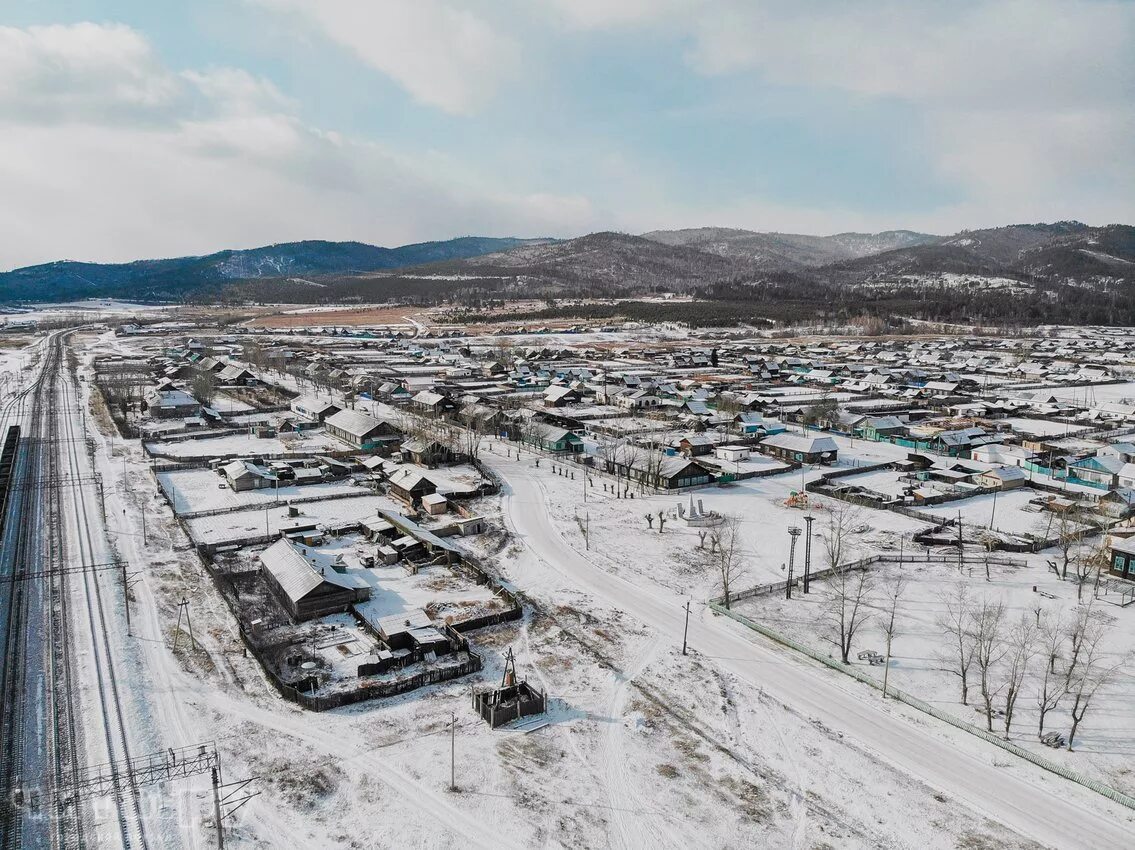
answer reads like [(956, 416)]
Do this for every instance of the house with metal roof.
[(314, 408), (304, 589), (361, 430), (801, 448)]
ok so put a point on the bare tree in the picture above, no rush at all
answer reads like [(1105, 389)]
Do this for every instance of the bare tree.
[(955, 623), (1084, 631), (1051, 688), (842, 519), (987, 626), (1022, 649), (848, 605), (1070, 537), (472, 434), (1087, 566), (725, 554), (890, 629), (524, 431), (1091, 674), (652, 464), (632, 459), (649, 520), (204, 387)]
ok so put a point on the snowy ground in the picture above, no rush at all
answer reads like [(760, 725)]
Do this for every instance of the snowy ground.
[(1105, 742), (737, 744), (192, 490), (1043, 427), (269, 518), (1003, 511), (246, 445), (1097, 394)]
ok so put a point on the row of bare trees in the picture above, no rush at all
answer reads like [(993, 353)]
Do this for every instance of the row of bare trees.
[(1059, 660), (463, 437), (631, 463)]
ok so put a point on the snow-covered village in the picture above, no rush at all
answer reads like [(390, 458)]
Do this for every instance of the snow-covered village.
[(567, 425), (572, 586)]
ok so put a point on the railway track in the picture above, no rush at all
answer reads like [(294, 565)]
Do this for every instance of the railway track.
[(21, 547), (91, 550), (50, 730)]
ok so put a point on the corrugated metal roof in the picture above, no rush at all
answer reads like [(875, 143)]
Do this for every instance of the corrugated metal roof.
[(296, 577), (353, 422)]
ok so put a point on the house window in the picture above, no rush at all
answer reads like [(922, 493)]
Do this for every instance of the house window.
[(1118, 565)]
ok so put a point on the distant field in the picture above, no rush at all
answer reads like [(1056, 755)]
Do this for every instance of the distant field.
[(353, 317)]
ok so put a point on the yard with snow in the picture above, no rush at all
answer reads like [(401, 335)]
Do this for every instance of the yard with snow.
[(195, 490), (269, 518), (245, 445), (922, 654)]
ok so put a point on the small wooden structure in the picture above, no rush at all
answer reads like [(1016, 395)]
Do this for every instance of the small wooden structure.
[(512, 700)]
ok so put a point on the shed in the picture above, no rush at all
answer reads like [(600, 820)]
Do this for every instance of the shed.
[(435, 504)]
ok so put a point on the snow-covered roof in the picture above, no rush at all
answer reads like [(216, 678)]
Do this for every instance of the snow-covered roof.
[(294, 574), (353, 422), (801, 443)]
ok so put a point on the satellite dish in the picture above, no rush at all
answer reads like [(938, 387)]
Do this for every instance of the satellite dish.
[(308, 665)]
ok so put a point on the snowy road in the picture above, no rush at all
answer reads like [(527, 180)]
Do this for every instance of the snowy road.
[(1036, 805)]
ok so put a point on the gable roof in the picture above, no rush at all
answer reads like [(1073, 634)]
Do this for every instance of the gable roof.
[(354, 422), (801, 443), (294, 574)]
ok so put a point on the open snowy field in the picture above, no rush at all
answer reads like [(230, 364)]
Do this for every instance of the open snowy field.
[(192, 490), (269, 518), (246, 445), (1043, 427), (1096, 394), (922, 654), (1006, 511)]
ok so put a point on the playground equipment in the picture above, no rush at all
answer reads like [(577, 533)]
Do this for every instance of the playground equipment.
[(796, 500)]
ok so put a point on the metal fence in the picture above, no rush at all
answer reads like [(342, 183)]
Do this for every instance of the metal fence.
[(866, 563)]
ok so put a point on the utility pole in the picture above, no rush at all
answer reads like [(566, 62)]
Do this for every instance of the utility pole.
[(453, 752), (126, 598), (993, 512), (961, 542), (808, 519), (217, 810), (686, 629), (183, 605), (793, 533)]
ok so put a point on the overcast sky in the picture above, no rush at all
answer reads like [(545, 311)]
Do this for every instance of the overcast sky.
[(143, 128)]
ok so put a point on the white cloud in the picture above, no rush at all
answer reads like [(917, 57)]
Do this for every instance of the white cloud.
[(1019, 105), (56, 73), (992, 52), (599, 14), (211, 159), (444, 56), (236, 89)]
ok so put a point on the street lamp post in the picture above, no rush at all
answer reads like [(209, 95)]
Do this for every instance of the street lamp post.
[(809, 519)]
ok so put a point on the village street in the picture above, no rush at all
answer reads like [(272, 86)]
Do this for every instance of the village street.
[(1041, 807)]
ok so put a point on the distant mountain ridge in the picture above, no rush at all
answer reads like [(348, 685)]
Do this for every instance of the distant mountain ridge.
[(788, 251), (1065, 271), (181, 277)]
